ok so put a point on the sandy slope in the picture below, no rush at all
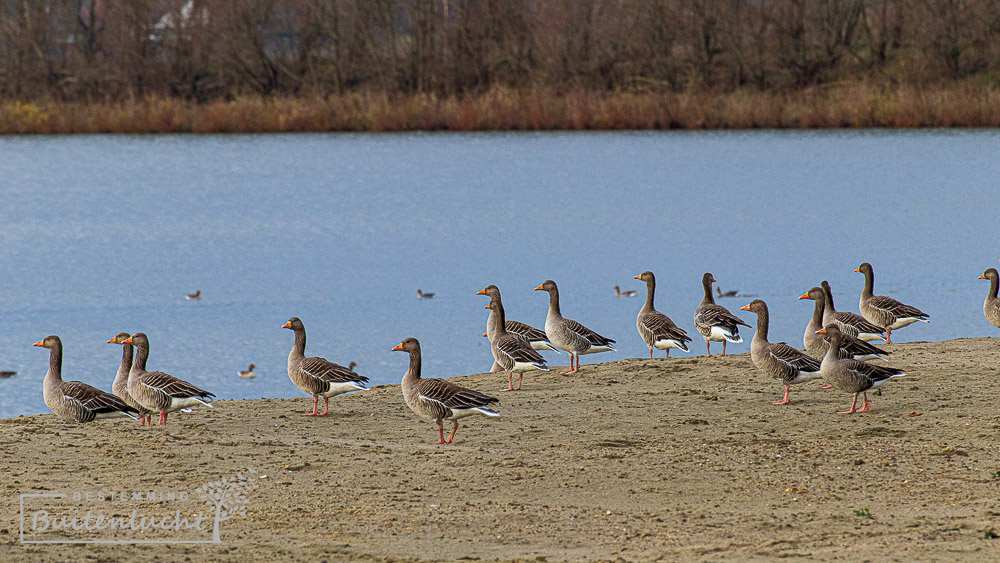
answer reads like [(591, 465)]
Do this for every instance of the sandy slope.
[(638, 459)]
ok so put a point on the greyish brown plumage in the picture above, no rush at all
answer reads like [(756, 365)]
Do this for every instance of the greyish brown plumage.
[(437, 399), (991, 307), (851, 375), (715, 322), (885, 311), (120, 385), (777, 359), (569, 335), (850, 323), (511, 352), (158, 391), (73, 400), (656, 329), (534, 336), (316, 376), (816, 345)]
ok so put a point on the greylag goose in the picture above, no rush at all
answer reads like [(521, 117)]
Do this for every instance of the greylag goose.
[(851, 375), (247, 373), (715, 322), (511, 352), (318, 376), (196, 296), (655, 328), (120, 385), (721, 293), (777, 359), (850, 323), (158, 391), (437, 399), (569, 335), (352, 365), (620, 293), (991, 308), (885, 311), (816, 345), (534, 336), (6, 374), (73, 400), (422, 295)]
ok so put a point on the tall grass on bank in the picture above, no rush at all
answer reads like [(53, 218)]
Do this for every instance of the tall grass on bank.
[(855, 105)]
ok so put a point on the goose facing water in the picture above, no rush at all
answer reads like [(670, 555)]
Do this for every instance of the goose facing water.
[(657, 329), (885, 311), (569, 335), (715, 322)]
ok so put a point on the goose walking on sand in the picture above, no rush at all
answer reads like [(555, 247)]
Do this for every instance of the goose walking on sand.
[(851, 375), (534, 336), (511, 352), (437, 399), (991, 307), (318, 376), (655, 328), (569, 335), (620, 293), (816, 345), (777, 359), (120, 385), (73, 400), (885, 311), (715, 322), (850, 323), (158, 391)]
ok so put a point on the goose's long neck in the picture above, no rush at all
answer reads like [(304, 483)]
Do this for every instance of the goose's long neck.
[(869, 290), (817, 321), (141, 355), (554, 303), (994, 286), (55, 363), (650, 291), (828, 300), (413, 373), (126, 365), (501, 318), (831, 352), (708, 293), (299, 347), (762, 321)]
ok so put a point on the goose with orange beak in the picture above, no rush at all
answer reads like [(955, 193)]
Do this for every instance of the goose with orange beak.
[(511, 352), (316, 376), (569, 335), (534, 336), (73, 400), (656, 329), (777, 359), (437, 399), (850, 375), (991, 307), (885, 311), (816, 345), (120, 385), (848, 322), (158, 391)]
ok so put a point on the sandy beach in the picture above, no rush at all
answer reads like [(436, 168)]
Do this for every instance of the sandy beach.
[(663, 459)]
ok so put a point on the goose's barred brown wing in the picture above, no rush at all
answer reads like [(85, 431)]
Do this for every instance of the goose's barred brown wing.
[(173, 387), (788, 355), (594, 338), (853, 324), (453, 396), (517, 349), (717, 315), (895, 308), (872, 371), (327, 371), (854, 346), (527, 331), (93, 399), (661, 327)]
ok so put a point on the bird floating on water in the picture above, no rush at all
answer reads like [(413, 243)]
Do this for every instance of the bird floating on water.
[(422, 295), (721, 293), (196, 296), (620, 293), (248, 373)]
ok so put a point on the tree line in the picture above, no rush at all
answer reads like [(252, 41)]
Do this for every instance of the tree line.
[(205, 50)]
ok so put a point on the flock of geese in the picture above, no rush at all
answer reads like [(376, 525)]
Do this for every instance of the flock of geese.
[(837, 345)]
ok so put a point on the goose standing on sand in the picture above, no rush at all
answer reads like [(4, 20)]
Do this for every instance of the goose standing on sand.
[(620, 293), (885, 311), (73, 400), (655, 328), (715, 322), (318, 376), (511, 352), (991, 308), (437, 399), (534, 336), (777, 359), (158, 391), (569, 335), (851, 375), (120, 385), (816, 345), (850, 323)]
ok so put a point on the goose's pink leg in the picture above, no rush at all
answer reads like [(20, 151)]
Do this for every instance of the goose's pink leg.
[(452, 435), (888, 336), (724, 347), (315, 411), (853, 404), (866, 405), (326, 406), (708, 348), (510, 382), (441, 435), (783, 401)]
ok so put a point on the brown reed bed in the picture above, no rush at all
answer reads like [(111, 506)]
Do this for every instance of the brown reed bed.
[(842, 105)]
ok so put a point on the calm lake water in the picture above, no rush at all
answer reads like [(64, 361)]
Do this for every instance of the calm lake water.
[(107, 233)]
